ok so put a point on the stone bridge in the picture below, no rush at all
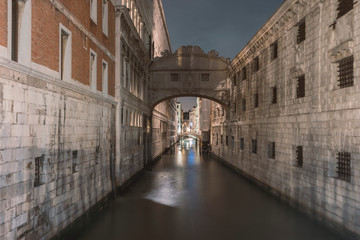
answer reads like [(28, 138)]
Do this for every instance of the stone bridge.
[(190, 72)]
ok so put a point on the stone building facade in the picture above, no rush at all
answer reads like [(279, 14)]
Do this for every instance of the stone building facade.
[(294, 119), (74, 123)]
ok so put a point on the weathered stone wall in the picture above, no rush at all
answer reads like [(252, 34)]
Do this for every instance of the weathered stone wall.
[(164, 133), (325, 122), (71, 132)]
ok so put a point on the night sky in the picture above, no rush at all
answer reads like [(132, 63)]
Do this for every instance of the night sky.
[(223, 25)]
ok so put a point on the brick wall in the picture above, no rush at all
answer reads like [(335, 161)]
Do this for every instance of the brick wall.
[(45, 42), (324, 122), (3, 23)]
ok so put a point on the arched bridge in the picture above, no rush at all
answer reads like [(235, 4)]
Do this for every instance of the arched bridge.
[(189, 72)]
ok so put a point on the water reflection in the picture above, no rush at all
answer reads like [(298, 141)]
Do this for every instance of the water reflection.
[(190, 197)]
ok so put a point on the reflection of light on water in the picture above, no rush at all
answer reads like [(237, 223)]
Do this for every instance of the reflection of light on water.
[(166, 193)]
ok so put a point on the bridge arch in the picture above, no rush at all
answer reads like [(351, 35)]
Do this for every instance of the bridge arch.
[(189, 72)]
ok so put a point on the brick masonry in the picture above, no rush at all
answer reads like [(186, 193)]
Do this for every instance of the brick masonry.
[(3, 23), (324, 122)]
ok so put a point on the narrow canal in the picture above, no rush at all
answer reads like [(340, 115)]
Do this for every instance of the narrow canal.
[(187, 196)]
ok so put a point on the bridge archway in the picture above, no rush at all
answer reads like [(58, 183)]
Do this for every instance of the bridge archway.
[(189, 72)]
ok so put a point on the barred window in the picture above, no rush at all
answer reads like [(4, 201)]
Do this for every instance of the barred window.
[(205, 77), (256, 100), (300, 87), (242, 144), (346, 72), (274, 95), (244, 104), (299, 156), (343, 166), (39, 171), (274, 50), (75, 160), (174, 77), (301, 36), (271, 150), (243, 73), (254, 146), (344, 6), (256, 64)]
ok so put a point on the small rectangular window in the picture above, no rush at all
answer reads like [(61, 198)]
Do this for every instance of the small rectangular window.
[(299, 156), (274, 50), (344, 6), (105, 75), (227, 140), (232, 141), (271, 150), (93, 10), (65, 55), (300, 87), (254, 146), (105, 16), (344, 166), (301, 36), (256, 100), (15, 30), (244, 104), (122, 116), (75, 160), (274, 95), (93, 70), (242, 144), (234, 80), (174, 77), (221, 139), (217, 139), (205, 77), (243, 73), (346, 72), (256, 64), (39, 171)]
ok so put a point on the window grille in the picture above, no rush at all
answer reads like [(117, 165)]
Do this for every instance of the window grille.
[(301, 36), (243, 73), (39, 168), (343, 166), (271, 150), (242, 144), (299, 156), (256, 64), (75, 161), (346, 70), (174, 77), (256, 100), (344, 6), (274, 50), (205, 77), (254, 146), (300, 88), (244, 105), (274, 95)]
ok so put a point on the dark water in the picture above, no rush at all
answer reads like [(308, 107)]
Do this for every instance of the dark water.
[(188, 196)]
